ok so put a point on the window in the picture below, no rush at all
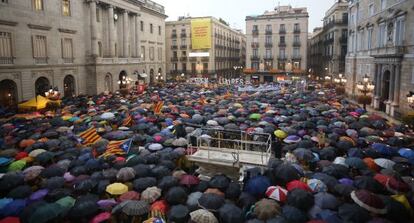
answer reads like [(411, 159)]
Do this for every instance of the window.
[(100, 53), (160, 53), (296, 39), (369, 38), (184, 53), (183, 41), (268, 53), (381, 35), (193, 67), (282, 39), (98, 14), (151, 30), (184, 67), (6, 50), (205, 67), (269, 28), (255, 52), (143, 52), (255, 28), (371, 9), (296, 27), (39, 47), (282, 27), (361, 40), (412, 76), (151, 53), (174, 67), (399, 31), (268, 39), (66, 7), (296, 52), (255, 65), (159, 30), (175, 54), (38, 5), (383, 4), (67, 50), (174, 42), (142, 26), (255, 40), (282, 52), (296, 65)]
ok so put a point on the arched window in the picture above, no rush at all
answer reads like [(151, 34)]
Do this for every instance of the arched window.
[(42, 85), (8, 93), (69, 86)]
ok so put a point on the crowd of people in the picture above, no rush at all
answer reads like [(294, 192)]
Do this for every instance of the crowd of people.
[(122, 158)]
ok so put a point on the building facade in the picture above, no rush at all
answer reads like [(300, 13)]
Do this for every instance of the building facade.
[(277, 43), (328, 45), (223, 59), (80, 47), (381, 45)]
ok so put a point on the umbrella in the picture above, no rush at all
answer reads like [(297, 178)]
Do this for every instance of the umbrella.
[(257, 185), (230, 213), (292, 139), (54, 183), (296, 184), (326, 200), (17, 165), (233, 191), (384, 163), (13, 208), (293, 214), (301, 199), (167, 182), (36, 152), (353, 213), (85, 206), (277, 193), (176, 195), (266, 209), (151, 194), (116, 189), (11, 180), (178, 213), (220, 182), (20, 192), (125, 174), (369, 201), (143, 183), (211, 201), (66, 202), (107, 116), (203, 216), (101, 217), (368, 183), (155, 147), (32, 172), (135, 208), (40, 194), (317, 185), (189, 180), (130, 195), (285, 173), (303, 154), (107, 203), (355, 162), (46, 213)]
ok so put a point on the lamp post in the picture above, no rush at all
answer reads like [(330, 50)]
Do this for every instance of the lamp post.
[(410, 99), (238, 68), (124, 82), (365, 87), (341, 80)]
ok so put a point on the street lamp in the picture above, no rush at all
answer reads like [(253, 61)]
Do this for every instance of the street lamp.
[(341, 80), (365, 87), (410, 99)]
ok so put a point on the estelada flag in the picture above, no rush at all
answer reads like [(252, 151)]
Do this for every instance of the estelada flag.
[(158, 106), (121, 147), (128, 121), (90, 136)]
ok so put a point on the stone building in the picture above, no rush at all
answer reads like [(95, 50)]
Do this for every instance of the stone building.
[(329, 43), (226, 53), (277, 43), (80, 47), (381, 45)]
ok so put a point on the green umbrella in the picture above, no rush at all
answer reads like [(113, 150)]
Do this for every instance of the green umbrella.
[(17, 165), (255, 116), (66, 202), (46, 213)]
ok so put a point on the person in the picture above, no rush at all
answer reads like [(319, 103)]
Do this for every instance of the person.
[(179, 129)]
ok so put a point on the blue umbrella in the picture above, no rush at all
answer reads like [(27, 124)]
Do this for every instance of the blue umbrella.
[(384, 149), (355, 162), (257, 185), (14, 208), (406, 153)]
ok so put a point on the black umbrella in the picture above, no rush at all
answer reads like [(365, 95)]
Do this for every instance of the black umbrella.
[(143, 183), (20, 192), (85, 185), (135, 160), (343, 189), (52, 171), (202, 186), (285, 173), (11, 180), (85, 206), (53, 183), (109, 174), (230, 213), (78, 170), (396, 211), (293, 214), (142, 170), (353, 213), (211, 201), (368, 183), (300, 199), (176, 196), (179, 214), (160, 171), (57, 194), (220, 182), (233, 191), (44, 158), (167, 182), (330, 181), (336, 170)]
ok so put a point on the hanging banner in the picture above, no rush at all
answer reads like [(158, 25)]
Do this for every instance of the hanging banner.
[(201, 34)]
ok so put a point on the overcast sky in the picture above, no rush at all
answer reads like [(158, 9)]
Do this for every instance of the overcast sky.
[(235, 11)]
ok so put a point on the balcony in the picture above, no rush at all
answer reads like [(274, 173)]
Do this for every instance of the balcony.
[(282, 44), (183, 59), (269, 32), (255, 45), (296, 57), (174, 35), (255, 32), (205, 59), (174, 47), (397, 51), (296, 31), (183, 35), (41, 60), (296, 44), (268, 57), (67, 60), (174, 59), (282, 58), (183, 47), (268, 45), (282, 31), (6, 60), (193, 59), (254, 57)]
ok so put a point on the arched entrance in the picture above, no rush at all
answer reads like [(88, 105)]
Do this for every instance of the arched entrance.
[(108, 82), (42, 85), (122, 81), (69, 86), (160, 77), (152, 76), (385, 91), (8, 93)]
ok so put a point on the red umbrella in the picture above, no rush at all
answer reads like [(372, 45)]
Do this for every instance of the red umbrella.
[(369, 201), (101, 217), (189, 180), (10, 220), (130, 195), (397, 186), (21, 155), (277, 193), (296, 184)]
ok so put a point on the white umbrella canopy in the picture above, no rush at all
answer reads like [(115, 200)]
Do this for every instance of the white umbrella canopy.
[(384, 163), (107, 115)]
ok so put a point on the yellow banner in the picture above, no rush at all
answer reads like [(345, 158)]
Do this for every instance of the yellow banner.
[(201, 34)]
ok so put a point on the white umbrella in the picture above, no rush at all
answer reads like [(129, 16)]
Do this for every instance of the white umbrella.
[(107, 115), (155, 147), (384, 163)]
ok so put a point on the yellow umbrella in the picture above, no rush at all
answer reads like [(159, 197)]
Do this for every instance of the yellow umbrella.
[(280, 134), (116, 188)]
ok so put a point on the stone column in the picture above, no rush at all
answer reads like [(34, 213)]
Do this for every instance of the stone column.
[(397, 84), (94, 30), (133, 36), (391, 89), (137, 29), (126, 34), (377, 80), (111, 26)]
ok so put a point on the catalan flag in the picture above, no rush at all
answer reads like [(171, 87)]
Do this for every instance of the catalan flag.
[(90, 136), (128, 121), (120, 148), (158, 106), (203, 100)]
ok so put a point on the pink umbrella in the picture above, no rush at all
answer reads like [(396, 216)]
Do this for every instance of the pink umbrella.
[(101, 217)]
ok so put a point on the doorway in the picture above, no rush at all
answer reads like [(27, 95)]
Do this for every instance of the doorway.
[(385, 91), (69, 86), (8, 93)]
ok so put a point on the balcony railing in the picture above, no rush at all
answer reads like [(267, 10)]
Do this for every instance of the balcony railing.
[(282, 44), (388, 51), (255, 32), (174, 35), (268, 57), (268, 45), (67, 60), (193, 59), (282, 31), (6, 60), (174, 47), (269, 32), (297, 44), (183, 35), (40, 60), (174, 59), (296, 57), (183, 59), (282, 57), (205, 59), (254, 57), (255, 45), (183, 47), (296, 30)]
